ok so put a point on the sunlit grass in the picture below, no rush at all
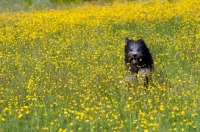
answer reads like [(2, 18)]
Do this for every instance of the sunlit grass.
[(63, 70)]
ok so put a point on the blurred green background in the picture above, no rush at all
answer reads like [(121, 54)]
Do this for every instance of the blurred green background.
[(16, 5)]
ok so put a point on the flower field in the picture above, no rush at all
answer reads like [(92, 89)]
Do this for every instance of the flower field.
[(63, 69)]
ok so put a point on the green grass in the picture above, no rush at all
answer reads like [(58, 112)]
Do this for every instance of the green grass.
[(58, 75)]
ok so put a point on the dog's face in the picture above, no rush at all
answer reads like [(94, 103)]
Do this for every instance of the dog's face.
[(134, 50)]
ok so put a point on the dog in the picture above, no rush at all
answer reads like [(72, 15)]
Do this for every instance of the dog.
[(138, 61)]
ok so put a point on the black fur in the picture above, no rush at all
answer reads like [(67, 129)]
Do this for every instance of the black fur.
[(138, 57)]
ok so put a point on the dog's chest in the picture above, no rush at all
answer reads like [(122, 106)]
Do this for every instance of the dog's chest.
[(133, 68)]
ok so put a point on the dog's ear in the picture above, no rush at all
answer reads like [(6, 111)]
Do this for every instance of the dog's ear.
[(141, 41), (126, 40)]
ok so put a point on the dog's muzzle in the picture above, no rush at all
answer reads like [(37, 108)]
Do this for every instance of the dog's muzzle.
[(133, 57)]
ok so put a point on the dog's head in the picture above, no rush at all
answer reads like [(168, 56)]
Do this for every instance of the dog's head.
[(135, 50)]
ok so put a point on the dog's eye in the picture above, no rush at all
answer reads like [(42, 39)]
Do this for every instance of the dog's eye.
[(138, 50)]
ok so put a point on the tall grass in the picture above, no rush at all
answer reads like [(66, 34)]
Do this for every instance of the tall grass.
[(63, 70)]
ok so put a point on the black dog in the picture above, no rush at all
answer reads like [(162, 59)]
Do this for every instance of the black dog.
[(138, 61)]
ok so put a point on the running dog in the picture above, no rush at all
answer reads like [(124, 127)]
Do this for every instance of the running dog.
[(138, 61)]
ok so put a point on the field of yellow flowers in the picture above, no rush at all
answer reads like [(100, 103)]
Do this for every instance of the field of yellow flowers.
[(63, 69)]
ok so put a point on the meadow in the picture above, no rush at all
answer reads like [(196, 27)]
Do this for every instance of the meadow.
[(63, 69)]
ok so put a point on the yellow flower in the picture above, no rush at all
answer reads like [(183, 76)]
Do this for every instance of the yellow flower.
[(71, 124), (45, 128), (19, 116), (3, 119)]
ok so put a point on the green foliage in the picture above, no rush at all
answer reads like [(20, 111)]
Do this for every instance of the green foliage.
[(28, 2), (64, 1)]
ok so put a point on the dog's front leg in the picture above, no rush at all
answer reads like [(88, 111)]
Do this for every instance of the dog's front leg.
[(143, 76)]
